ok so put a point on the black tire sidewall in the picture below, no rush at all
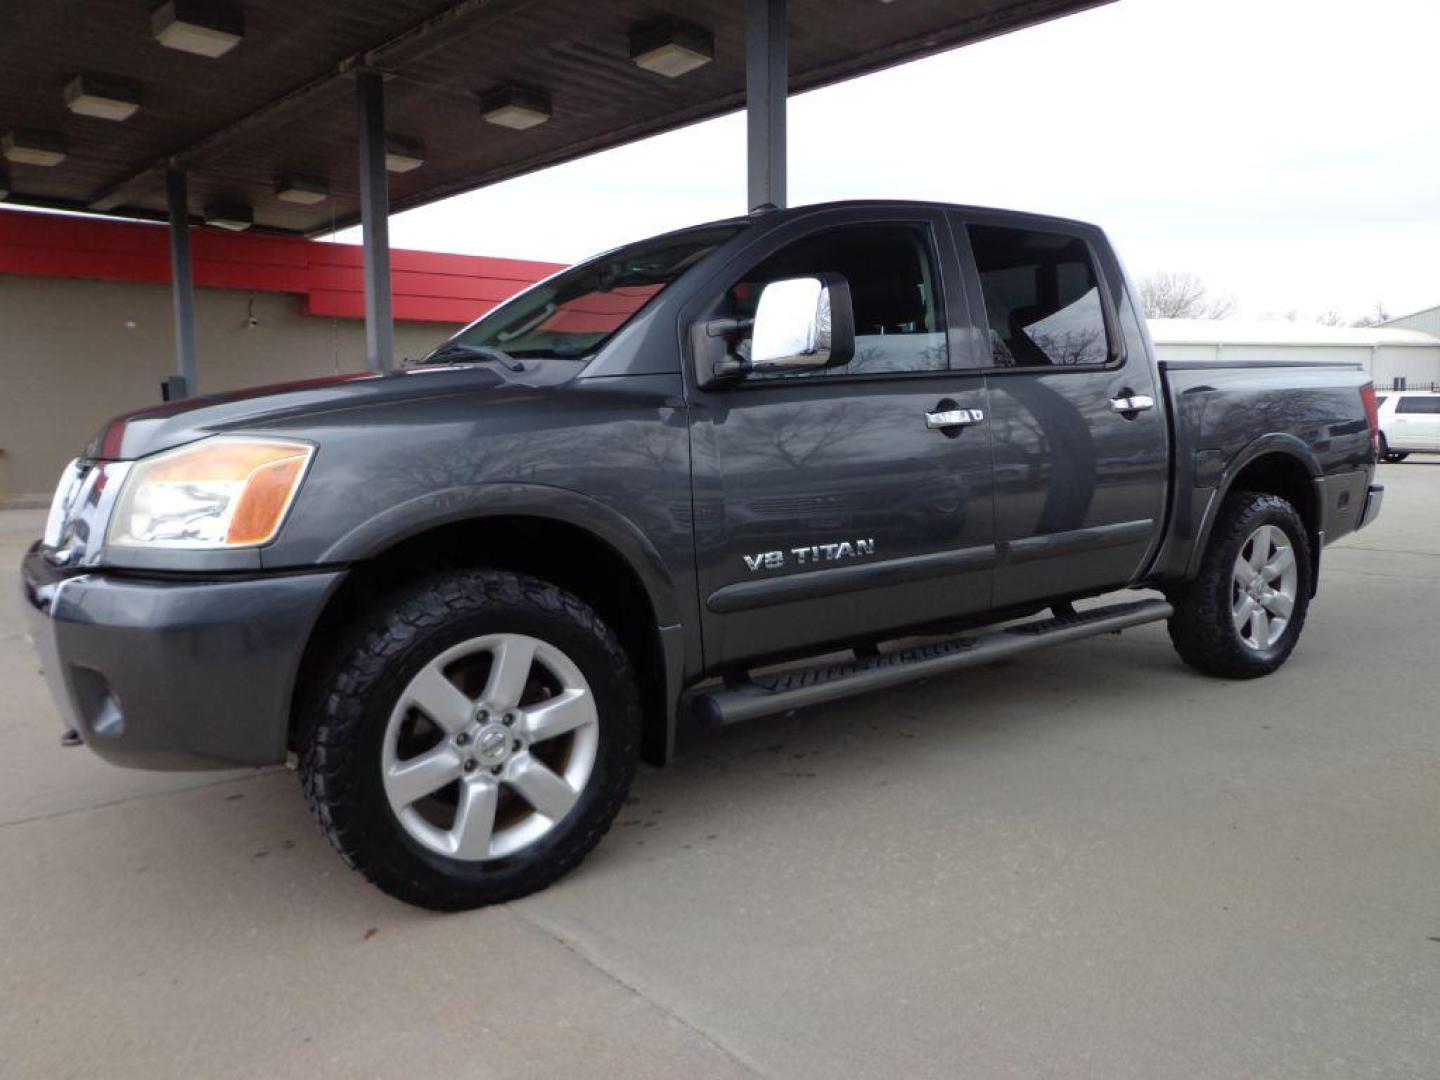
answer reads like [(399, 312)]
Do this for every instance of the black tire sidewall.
[(1288, 522), (387, 853), (1203, 629)]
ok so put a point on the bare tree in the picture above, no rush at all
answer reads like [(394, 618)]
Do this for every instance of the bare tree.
[(1377, 315), (1169, 295), (1330, 317)]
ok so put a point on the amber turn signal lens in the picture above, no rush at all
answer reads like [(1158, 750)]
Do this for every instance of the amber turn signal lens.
[(267, 494)]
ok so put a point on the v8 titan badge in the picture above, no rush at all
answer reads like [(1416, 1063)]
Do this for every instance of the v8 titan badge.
[(810, 554)]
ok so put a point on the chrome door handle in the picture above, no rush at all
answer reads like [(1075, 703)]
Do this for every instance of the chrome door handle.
[(949, 418), (1133, 403)]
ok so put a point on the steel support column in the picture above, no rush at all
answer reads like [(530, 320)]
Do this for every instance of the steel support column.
[(375, 220), (766, 83), (186, 382)]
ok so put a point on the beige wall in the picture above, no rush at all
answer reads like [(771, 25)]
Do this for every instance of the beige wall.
[(73, 353)]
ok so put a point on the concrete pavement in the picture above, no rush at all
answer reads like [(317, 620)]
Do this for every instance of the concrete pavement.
[(1090, 863)]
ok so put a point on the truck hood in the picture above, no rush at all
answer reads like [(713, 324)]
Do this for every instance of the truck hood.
[(148, 431)]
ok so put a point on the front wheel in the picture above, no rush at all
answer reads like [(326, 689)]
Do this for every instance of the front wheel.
[(1242, 614), (474, 741)]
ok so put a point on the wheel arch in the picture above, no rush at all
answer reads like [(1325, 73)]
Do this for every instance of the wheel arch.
[(1280, 465), (564, 538)]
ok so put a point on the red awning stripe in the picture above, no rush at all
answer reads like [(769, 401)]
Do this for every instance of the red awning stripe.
[(428, 287)]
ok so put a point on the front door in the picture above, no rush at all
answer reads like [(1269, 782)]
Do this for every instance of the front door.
[(1076, 414), (827, 508)]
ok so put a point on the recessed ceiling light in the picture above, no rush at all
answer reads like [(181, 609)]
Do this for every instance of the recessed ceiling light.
[(24, 147), (305, 190), (514, 108), (203, 27), (102, 96), (230, 216), (403, 154), (671, 48)]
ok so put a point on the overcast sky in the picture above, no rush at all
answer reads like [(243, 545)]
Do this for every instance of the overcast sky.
[(1287, 151)]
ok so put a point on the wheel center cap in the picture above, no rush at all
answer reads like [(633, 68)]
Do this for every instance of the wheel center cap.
[(492, 745)]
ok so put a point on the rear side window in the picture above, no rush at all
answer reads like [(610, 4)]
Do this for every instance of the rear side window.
[(1411, 404), (1042, 298), (1380, 401)]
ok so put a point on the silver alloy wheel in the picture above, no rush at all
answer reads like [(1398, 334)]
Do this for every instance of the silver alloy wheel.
[(479, 771), (1262, 588)]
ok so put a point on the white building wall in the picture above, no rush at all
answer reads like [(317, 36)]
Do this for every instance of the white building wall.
[(1387, 353), (1418, 366), (1427, 321)]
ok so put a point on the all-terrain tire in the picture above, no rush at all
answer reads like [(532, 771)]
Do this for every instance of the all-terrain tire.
[(349, 704), (1203, 628)]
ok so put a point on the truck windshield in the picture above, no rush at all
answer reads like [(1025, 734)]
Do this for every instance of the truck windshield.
[(572, 314)]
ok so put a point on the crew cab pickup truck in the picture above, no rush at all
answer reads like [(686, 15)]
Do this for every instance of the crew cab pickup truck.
[(723, 473)]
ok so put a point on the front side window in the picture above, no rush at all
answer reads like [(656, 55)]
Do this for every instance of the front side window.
[(573, 313), (1042, 298), (1415, 404), (893, 286)]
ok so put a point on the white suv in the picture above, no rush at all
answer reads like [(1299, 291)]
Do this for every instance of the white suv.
[(1409, 423)]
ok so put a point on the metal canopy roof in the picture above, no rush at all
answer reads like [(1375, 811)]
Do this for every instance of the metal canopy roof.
[(282, 100)]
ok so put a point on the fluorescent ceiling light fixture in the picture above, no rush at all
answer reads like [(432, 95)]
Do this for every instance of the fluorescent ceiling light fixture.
[(203, 27), (102, 96), (230, 216), (23, 147), (403, 154), (514, 108), (305, 190), (671, 48)]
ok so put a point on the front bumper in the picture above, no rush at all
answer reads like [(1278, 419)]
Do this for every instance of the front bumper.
[(174, 674)]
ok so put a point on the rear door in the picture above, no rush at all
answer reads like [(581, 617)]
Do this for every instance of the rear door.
[(826, 507), (1416, 423), (1076, 413)]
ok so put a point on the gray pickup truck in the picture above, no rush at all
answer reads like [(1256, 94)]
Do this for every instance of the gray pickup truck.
[(726, 472)]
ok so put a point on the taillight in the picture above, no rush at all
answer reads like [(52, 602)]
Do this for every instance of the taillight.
[(1372, 415)]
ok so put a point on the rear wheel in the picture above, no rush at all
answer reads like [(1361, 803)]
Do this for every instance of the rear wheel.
[(474, 741), (1242, 615), (1389, 456)]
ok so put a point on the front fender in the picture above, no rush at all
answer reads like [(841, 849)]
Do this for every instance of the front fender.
[(445, 506)]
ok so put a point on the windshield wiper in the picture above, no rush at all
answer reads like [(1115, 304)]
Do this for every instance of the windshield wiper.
[(459, 351)]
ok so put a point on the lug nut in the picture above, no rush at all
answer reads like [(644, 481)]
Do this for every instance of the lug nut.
[(463, 739), (497, 769), (470, 764), (510, 718), (517, 747), (481, 716)]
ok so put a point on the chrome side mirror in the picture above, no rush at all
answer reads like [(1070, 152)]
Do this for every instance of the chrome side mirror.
[(802, 323)]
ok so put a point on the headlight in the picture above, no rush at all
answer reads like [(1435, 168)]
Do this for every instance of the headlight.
[(218, 493)]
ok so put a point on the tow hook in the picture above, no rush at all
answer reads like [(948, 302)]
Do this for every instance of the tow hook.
[(71, 738)]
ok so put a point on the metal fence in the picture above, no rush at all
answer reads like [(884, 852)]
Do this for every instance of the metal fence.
[(1399, 386)]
